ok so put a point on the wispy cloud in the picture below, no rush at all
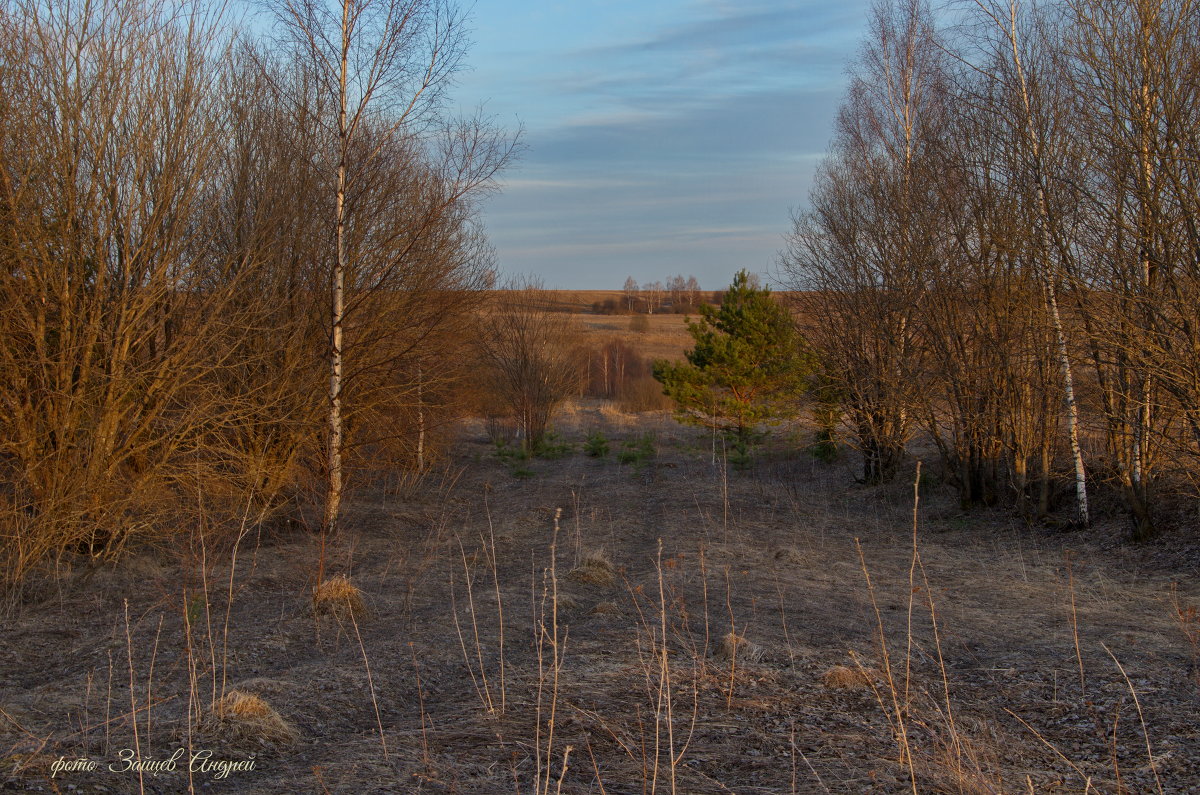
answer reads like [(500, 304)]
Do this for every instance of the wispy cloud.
[(672, 142)]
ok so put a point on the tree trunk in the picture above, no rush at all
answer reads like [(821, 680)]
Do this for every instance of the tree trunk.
[(333, 499)]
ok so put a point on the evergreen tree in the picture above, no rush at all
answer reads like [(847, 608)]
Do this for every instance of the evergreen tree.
[(749, 364)]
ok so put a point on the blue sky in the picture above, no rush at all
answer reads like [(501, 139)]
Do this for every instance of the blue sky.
[(660, 137)]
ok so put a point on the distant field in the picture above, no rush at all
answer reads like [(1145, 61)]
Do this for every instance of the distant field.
[(666, 338), (582, 300)]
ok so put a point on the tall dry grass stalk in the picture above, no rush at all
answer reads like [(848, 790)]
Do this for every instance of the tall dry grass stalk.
[(663, 710), (370, 686), (895, 706), (1189, 623), (493, 565), (654, 656), (426, 758), (1075, 626), (1141, 718), (477, 669), (548, 641), (133, 709)]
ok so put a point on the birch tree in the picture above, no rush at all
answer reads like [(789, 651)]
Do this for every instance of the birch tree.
[(379, 71), (1023, 63)]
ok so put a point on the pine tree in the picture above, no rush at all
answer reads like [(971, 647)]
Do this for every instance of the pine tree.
[(749, 364)]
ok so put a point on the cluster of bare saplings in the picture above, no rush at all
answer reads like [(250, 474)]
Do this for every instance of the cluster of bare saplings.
[(1003, 251), (232, 272)]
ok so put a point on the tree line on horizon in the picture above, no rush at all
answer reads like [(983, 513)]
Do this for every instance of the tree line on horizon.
[(677, 295)]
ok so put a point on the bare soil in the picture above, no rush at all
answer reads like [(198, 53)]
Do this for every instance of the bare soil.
[(651, 692)]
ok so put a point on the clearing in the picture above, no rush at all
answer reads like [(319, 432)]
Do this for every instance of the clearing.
[(612, 669)]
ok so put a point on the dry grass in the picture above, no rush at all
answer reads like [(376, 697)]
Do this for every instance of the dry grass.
[(606, 609), (628, 680), (242, 720), (339, 598), (568, 603), (737, 647), (665, 337), (844, 677), (594, 568), (789, 555)]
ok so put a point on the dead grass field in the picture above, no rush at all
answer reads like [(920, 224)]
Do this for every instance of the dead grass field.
[(583, 625), (418, 693), (664, 337)]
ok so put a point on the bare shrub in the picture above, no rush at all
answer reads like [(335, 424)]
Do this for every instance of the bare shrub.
[(170, 280), (529, 362), (115, 307), (644, 394)]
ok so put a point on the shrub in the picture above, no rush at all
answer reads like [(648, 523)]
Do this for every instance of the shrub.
[(596, 445), (637, 451), (643, 394), (552, 447)]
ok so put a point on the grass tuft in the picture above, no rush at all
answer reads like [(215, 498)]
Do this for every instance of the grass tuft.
[(606, 609), (843, 677), (594, 569), (241, 720), (734, 646), (340, 598)]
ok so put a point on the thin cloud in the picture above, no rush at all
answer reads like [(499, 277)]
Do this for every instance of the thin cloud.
[(681, 147)]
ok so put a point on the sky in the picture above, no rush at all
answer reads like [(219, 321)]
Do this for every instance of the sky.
[(660, 137)]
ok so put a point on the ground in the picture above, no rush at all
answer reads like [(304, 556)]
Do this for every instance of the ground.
[(569, 630)]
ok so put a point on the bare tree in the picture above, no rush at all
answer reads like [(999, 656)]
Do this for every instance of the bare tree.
[(1033, 165), (379, 72), (677, 288), (692, 289), (112, 321), (529, 356), (653, 291), (1024, 66), (858, 257), (631, 293), (1131, 68)]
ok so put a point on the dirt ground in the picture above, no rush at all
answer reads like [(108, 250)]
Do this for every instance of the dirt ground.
[(1059, 661)]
